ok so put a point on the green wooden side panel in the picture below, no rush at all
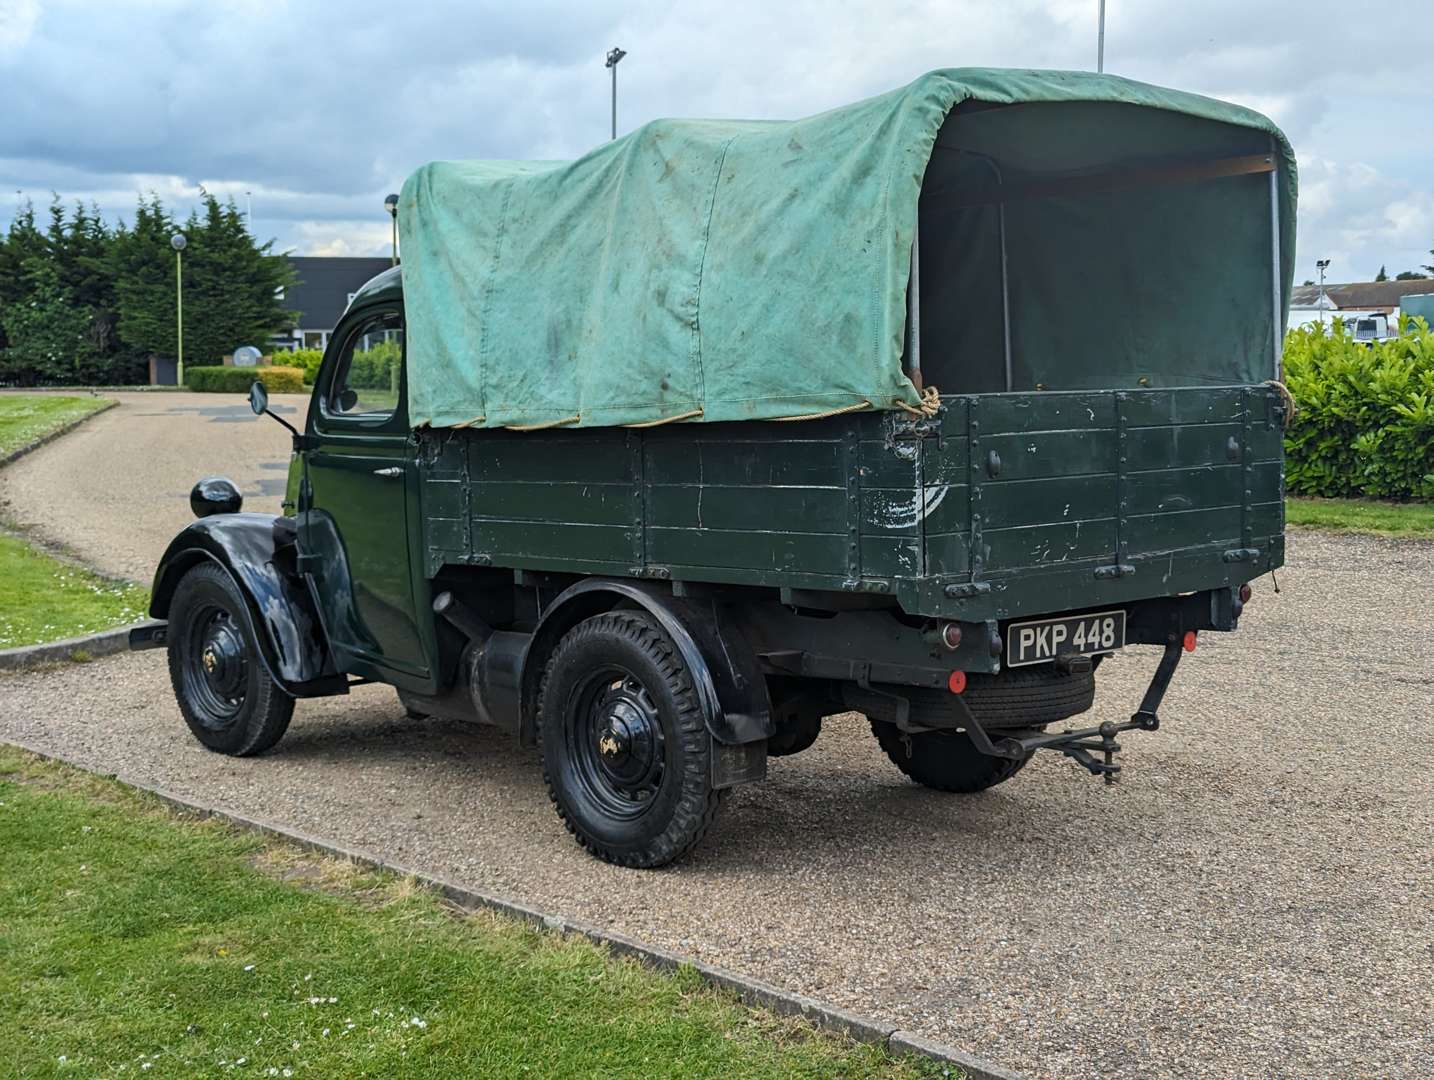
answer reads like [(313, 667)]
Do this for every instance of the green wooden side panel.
[(1017, 499)]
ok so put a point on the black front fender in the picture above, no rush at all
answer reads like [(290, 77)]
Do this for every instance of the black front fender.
[(259, 552)]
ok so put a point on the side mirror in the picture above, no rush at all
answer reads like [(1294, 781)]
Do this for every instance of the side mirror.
[(348, 398), (258, 397)]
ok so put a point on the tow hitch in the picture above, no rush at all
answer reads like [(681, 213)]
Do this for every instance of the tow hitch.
[(1084, 744)]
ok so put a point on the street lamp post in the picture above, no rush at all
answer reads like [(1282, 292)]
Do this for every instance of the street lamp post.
[(391, 205), (178, 242), (613, 56), (1321, 265), (1100, 41)]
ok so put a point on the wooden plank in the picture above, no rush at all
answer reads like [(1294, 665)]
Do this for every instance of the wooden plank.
[(747, 508), (884, 465), (1183, 447), (599, 458), (812, 553), (547, 540), (1202, 488), (1051, 454), (557, 503), (947, 554), (890, 556), (1164, 532), (1185, 405), (1046, 411), (1040, 545), (751, 463)]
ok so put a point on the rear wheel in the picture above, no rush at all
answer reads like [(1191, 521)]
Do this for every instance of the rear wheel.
[(626, 752), (225, 695), (945, 760)]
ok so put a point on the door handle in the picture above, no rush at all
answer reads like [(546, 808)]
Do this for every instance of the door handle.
[(390, 472)]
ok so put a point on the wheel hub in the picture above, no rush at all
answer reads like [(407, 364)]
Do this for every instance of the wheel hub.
[(221, 658), (626, 736)]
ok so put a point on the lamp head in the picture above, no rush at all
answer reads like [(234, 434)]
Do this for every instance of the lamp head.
[(391, 205), (614, 55), (178, 242)]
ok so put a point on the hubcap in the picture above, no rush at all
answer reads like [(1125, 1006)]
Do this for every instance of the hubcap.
[(216, 664), (617, 742)]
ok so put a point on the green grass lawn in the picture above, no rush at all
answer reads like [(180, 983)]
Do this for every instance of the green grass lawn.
[(138, 942), (1363, 515), (45, 599), (25, 418)]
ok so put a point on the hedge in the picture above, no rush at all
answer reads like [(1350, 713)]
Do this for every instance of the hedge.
[(224, 380), (1365, 424), (309, 360), (374, 368)]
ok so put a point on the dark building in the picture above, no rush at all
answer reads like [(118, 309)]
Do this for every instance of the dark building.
[(325, 287)]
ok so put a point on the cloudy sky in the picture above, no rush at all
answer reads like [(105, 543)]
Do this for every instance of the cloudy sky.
[(319, 109)]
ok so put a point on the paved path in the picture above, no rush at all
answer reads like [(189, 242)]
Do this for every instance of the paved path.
[(1254, 899), (116, 490)]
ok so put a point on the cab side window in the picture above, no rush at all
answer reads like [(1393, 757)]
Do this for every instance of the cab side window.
[(365, 384)]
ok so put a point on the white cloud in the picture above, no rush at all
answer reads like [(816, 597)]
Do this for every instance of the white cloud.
[(319, 117), (17, 23)]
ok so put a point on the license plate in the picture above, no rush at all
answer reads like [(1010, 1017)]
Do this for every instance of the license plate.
[(1045, 639)]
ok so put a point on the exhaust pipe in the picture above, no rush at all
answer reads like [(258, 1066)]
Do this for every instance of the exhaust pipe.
[(468, 622)]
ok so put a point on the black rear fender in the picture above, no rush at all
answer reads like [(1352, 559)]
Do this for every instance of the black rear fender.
[(728, 679), (258, 551)]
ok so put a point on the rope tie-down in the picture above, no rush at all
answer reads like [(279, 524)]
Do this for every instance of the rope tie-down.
[(1287, 398), (929, 407)]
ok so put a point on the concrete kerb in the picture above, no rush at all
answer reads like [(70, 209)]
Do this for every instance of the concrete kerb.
[(75, 649), (28, 448), (750, 991)]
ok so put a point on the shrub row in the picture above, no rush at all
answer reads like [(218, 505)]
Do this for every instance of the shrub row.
[(374, 368), (308, 360), (224, 380), (1365, 424)]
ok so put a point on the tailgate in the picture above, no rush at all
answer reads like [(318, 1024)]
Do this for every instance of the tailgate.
[(1077, 499)]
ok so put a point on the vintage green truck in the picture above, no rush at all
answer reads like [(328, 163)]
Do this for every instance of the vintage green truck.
[(666, 478)]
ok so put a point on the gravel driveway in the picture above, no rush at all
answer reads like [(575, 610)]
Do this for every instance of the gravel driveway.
[(116, 490), (1253, 899)]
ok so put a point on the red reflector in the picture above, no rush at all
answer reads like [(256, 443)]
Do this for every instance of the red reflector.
[(1189, 640), (957, 682), (1245, 593)]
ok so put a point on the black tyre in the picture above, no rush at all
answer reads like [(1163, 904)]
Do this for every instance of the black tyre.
[(626, 754), (944, 760), (1029, 696), (227, 698)]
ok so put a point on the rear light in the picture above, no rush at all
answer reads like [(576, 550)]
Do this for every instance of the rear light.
[(1245, 593), (1190, 640), (951, 636), (957, 682)]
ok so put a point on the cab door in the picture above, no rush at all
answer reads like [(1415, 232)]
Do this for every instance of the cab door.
[(358, 506)]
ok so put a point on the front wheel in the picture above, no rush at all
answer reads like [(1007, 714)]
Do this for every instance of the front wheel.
[(945, 760), (626, 752), (226, 696)]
